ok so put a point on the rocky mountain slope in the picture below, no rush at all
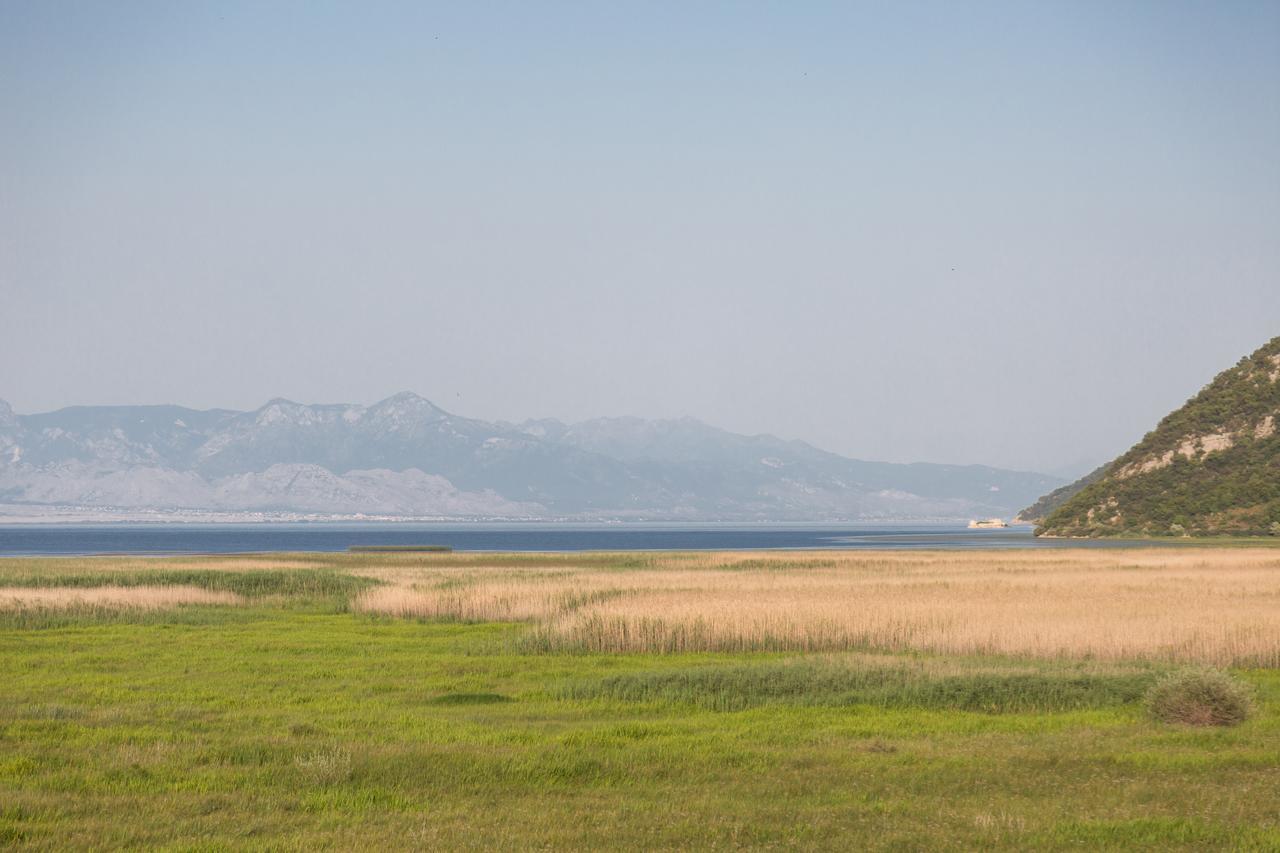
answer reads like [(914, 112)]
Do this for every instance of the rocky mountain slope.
[(404, 456), (1211, 467)]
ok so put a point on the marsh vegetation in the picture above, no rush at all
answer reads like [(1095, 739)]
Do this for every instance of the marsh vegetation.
[(808, 699), (1178, 605)]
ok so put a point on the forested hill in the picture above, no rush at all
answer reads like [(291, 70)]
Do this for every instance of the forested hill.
[(1040, 510), (1211, 467)]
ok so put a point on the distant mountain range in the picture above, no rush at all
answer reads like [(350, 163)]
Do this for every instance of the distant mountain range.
[(1211, 467), (406, 457)]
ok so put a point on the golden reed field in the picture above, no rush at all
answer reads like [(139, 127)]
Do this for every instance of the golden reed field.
[(139, 597), (1207, 605)]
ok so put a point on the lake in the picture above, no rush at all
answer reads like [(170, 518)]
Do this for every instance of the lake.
[(51, 539)]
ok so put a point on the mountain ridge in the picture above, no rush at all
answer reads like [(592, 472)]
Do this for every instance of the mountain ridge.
[(406, 456)]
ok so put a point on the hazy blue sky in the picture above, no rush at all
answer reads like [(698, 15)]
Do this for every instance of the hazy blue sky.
[(1012, 233)]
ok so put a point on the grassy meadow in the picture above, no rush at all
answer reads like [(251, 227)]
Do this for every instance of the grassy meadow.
[(857, 700)]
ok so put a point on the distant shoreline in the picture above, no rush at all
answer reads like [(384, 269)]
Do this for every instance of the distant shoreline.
[(29, 514), (547, 537)]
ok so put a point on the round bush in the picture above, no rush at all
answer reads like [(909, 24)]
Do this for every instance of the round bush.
[(1200, 697)]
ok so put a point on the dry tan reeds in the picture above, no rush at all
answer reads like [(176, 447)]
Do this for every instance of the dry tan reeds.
[(135, 597), (1207, 605)]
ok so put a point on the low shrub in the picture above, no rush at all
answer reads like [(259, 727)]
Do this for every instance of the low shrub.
[(1200, 697)]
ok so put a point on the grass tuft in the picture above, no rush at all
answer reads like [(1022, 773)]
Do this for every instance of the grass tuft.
[(328, 766), (1200, 697)]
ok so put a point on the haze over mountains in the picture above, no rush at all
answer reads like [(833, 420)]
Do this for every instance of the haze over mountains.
[(406, 457)]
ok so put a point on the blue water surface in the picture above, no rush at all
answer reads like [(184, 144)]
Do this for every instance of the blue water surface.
[(174, 538)]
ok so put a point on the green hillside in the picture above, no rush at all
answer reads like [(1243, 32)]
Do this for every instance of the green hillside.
[(1040, 510), (1210, 468)]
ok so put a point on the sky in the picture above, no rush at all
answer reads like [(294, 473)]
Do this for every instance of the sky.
[(1006, 233)]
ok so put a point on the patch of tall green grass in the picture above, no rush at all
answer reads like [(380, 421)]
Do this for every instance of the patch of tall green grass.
[(831, 683), (79, 615), (294, 583)]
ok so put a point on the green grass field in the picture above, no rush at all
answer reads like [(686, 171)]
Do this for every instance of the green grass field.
[(291, 722)]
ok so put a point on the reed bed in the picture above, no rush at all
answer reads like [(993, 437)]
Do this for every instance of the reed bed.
[(1202, 605), (495, 601), (115, 597)]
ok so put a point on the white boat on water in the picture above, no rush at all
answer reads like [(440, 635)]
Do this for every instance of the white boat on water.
[(985, 523)]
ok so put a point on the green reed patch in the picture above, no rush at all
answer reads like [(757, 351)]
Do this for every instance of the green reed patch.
[(471, 699), (832, 683), (33, 618), (756, 565), (296, 583), (576, 560)]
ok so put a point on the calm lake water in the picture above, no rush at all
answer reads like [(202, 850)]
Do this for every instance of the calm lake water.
[(49, 539)]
